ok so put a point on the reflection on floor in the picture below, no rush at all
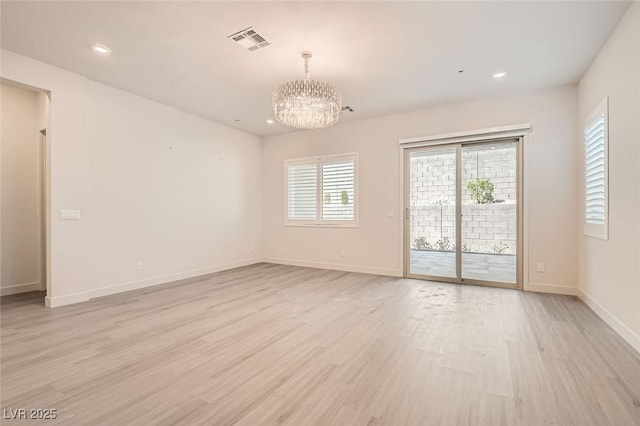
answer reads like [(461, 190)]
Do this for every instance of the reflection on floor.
[(477, 266)]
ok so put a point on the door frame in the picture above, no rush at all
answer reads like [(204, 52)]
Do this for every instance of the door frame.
[(457, 141), (42, 147)]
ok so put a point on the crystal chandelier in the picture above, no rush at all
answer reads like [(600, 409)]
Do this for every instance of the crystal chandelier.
[(306, 104)]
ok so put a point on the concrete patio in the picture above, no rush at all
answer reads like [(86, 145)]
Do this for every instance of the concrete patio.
[(478, 266)]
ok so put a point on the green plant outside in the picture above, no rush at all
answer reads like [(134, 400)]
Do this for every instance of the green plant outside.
[(421, 243), (344, 195), (481, 190)]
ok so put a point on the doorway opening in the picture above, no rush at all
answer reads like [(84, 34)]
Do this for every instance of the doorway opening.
[(463, 213), (23, 192)]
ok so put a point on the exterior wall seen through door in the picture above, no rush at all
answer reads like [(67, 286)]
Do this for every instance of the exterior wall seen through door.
[(485, 229)]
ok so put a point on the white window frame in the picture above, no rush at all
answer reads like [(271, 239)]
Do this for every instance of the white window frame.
[(600, 231), (318, 161)]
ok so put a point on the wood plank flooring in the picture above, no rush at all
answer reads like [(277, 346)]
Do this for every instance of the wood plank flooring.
[(272, 344)]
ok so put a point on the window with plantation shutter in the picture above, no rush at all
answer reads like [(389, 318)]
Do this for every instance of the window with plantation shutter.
[(596, 183), (338, 188), (322, 191), (302, 191)]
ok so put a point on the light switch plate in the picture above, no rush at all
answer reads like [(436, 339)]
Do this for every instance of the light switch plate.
[(69, 214)]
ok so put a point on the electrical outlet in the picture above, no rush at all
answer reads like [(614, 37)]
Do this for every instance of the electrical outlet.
[(251, 248), (540, 267), (342, 252), (139, 265)]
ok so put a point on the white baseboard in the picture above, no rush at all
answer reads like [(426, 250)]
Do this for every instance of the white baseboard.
[(148, 282), (552, 288), (618, 326), (334, 266), (53, 302), (68, 299), (19, 288)]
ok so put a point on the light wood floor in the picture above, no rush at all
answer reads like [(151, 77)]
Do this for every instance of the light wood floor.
[(271, 344)]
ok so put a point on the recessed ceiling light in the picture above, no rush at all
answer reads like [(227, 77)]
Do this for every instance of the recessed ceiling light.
[(270, 121), (500, 74), (101, 49)]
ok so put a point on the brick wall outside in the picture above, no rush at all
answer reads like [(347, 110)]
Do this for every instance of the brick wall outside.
[(432, 199)]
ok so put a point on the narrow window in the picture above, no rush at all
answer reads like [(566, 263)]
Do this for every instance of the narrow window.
[(596, 179)]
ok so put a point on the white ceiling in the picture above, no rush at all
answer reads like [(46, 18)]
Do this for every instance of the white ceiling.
[(385, 57)]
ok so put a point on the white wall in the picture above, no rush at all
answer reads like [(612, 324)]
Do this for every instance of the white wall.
[(551, 189), (20, 190), (184, 211), (610, 270), (170, 189)]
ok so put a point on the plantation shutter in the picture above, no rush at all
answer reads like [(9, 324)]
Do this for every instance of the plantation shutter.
[(322, 191), (302, 187), (595, 171), (338, 190)]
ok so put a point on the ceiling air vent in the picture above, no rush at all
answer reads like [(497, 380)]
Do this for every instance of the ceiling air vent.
[(249, 39)]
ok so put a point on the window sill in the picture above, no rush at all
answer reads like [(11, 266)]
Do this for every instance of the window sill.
[(321, 225), (598, 236), (600, 232)]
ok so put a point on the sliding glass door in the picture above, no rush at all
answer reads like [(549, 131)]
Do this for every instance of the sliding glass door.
[(432, 198), (463, 213)]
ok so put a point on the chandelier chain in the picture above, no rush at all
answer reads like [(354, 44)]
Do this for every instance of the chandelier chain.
[(306, 55)]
